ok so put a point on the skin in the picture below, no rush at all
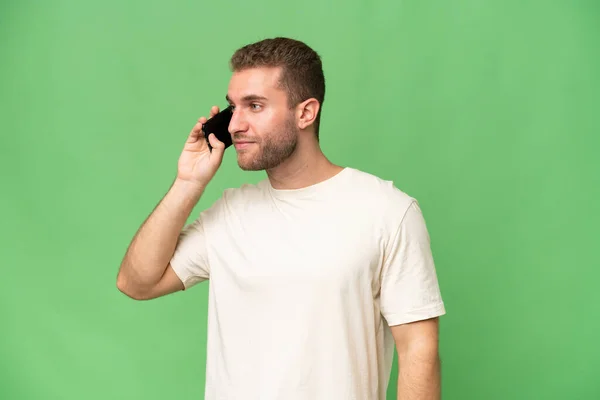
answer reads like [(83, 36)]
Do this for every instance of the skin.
[(419, 375), (271, 135)]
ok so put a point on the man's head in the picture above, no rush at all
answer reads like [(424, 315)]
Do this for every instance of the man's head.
[(277, 90)]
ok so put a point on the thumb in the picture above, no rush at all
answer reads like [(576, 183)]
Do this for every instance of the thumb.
[(218, 147)]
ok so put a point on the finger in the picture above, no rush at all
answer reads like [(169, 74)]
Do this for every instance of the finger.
[(214, 111), (196, 131), (218, 147)]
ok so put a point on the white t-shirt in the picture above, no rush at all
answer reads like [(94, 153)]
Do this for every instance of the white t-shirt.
[(304, 285)]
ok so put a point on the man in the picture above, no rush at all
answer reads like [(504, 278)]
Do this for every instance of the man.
[(315, 272)]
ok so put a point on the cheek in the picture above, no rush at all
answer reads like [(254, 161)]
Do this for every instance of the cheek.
[(263, 123)]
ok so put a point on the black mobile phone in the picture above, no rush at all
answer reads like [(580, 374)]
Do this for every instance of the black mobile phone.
[(219, 125)]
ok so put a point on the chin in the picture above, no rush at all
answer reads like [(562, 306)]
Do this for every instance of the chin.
[(247, 163), (250, 167)]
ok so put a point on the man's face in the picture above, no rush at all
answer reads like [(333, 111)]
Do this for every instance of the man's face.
[(262, 127)]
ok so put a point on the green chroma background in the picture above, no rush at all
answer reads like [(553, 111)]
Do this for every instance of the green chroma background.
[(486, 112)]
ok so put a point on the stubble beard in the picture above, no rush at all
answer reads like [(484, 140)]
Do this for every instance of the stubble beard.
[(275, 148)]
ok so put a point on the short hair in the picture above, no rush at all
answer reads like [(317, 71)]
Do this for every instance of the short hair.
[(301, 68)]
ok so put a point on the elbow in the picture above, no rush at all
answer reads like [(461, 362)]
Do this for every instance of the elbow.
[(129, 290)]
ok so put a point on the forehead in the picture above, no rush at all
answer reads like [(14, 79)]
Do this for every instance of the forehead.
[(255, 81)]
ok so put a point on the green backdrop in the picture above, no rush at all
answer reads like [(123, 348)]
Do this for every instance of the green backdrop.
[(487, 112)]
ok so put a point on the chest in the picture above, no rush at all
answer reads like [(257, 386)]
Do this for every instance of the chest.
[(330, 250)]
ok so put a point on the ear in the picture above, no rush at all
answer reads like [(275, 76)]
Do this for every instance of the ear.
[(306, 112)]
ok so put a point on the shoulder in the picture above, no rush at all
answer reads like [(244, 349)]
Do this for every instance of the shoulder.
[(378, 194), (236, 200), (245, 192)]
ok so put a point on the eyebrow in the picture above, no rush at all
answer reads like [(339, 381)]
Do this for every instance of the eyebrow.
[(247, 98)]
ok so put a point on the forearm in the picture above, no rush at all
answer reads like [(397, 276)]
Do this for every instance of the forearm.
[(419, 376), (154, 243)]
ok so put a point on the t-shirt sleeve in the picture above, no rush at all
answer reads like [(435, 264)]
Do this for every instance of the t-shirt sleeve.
[(409, 284), (190, 259)]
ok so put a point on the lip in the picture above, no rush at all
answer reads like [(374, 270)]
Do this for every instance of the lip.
[(241, 144)]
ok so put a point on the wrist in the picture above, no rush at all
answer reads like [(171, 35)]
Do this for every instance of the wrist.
[(185, 193), (188, 188), (181, 199)]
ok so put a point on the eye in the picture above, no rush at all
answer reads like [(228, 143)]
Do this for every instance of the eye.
[(255, 106)]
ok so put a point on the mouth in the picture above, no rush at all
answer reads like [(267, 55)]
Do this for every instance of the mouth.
[(241, 144)]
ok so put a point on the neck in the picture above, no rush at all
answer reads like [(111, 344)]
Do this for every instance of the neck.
[(307, 166)]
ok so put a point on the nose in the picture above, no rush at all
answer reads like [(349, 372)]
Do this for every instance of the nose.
[(238, 122)]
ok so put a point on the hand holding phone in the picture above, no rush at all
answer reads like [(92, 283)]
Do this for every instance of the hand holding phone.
[(219, 126), (200, 159)]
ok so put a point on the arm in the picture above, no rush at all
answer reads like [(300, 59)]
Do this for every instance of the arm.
[(411, 303), (418, 360), (145, 271)]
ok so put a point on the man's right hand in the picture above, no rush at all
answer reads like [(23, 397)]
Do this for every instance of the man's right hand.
[(145, 271), (197, 164)]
